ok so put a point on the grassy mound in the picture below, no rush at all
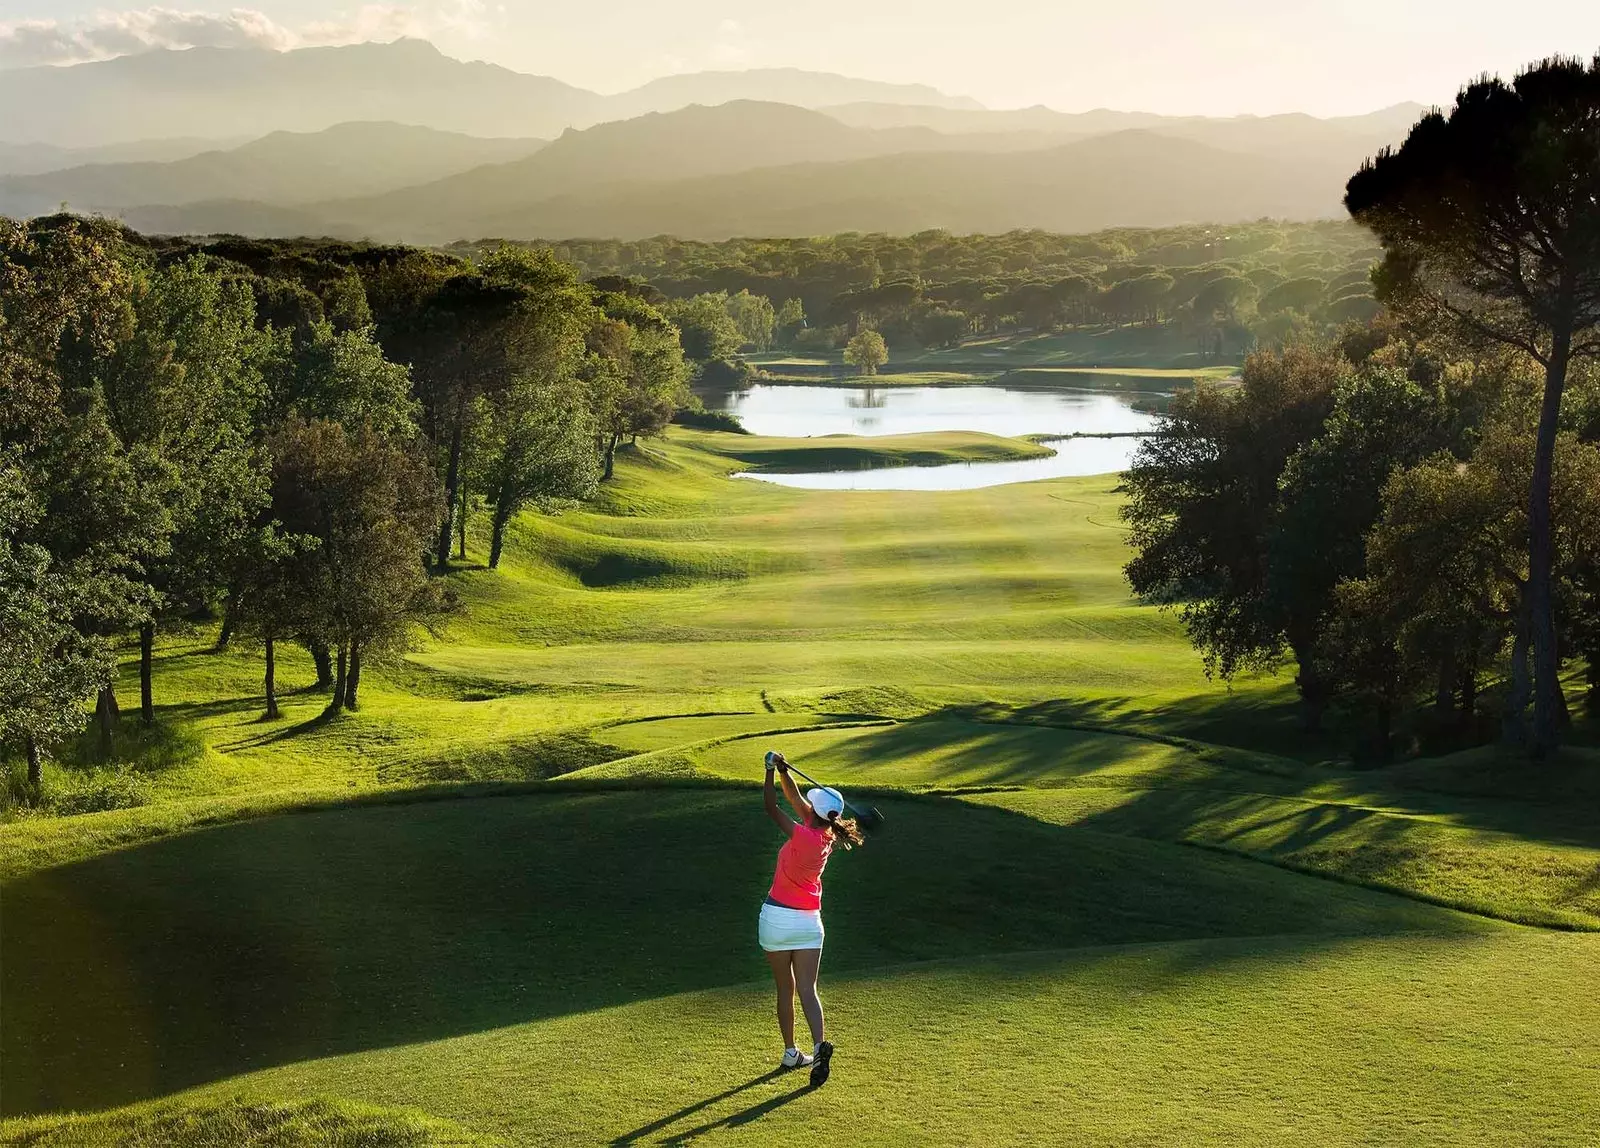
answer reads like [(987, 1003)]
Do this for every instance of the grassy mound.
[(850, 452), (147, 970)]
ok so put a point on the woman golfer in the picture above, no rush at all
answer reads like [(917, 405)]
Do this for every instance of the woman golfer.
[(791, 918)]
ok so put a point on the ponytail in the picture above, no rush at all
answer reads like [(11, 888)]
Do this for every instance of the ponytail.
[(845, 831)]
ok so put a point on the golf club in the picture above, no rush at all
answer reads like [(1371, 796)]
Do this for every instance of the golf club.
[(869, 819)]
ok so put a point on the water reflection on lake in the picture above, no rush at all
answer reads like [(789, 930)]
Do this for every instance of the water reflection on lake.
[(803, 411)]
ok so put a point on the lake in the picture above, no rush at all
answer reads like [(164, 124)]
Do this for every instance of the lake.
[(801, 411)]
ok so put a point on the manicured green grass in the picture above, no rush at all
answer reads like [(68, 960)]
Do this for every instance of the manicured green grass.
[(1410, 1040), (1113, 902), (851, 452), (285, 938), (232, 1122)]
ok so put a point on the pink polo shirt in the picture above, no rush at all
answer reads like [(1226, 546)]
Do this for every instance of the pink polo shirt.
[(797, 882)]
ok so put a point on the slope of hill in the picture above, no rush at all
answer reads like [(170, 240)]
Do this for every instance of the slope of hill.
[(37, 158), (284, 168), (636, 154), (1126, 179), (1296, 135), (250, 91)]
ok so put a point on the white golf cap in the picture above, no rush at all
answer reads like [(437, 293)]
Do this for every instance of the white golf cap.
[(825, 802)]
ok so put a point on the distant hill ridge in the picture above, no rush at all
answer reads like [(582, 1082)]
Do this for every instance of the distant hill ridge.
[(287, 168), (233, 92), (763, 169)]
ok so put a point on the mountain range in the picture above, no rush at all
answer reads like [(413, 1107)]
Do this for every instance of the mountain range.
[(828, 154), (346, 160), (236, 93)]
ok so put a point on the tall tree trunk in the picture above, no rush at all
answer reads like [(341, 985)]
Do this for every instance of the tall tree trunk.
[(271, 680), (452, 483), (611, 455), (229, 613), (461, 525), (147, 644), (1315, 691), (1547, 699), (497, 538), (1514, 728), (323, 657), (1469, 698), (35, 770), (352, 678), (105, 712), (1444, 690), (336, 703)]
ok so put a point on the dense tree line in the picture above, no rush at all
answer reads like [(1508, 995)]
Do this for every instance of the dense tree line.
[(1229, 288), (288, 435), (1414, 509)]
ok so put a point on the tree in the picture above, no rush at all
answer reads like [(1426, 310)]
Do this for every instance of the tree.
[(705, 328), (866, 350), (66, 307), (635, 372), (789, 321), (1292, 295), (343, 376), (1203, 497), (1331, 493), (371, 506), (48, 668), (1225, 296), (942, 327), (1490, 220), (185, 391), (755, 318), (273, 597), (540, 450), (1138, 299), (1445, 573), (463, 335)]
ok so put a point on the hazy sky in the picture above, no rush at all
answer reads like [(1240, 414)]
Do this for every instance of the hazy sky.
[(1217, 57)]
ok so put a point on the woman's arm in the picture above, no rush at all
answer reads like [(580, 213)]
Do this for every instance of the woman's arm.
[(801, 809), (770, 797)]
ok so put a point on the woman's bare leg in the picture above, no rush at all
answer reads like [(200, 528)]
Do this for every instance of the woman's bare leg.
[(783, 980), (806, 964)]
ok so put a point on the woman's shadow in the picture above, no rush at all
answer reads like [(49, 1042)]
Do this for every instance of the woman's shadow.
[(743, 1116)]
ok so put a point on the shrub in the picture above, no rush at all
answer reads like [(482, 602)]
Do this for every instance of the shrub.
[(710, 420)]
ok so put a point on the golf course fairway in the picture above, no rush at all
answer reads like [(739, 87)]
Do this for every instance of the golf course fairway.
[(513, 899)]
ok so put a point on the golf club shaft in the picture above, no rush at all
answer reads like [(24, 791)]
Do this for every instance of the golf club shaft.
[(807, 777)]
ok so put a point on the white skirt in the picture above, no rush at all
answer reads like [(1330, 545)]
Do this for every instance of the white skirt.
[(783, 929)]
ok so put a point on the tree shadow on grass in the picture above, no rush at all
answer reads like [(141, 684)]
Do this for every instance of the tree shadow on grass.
[(146, 970), (745, 1116), (1558, 804), (258, 740)]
